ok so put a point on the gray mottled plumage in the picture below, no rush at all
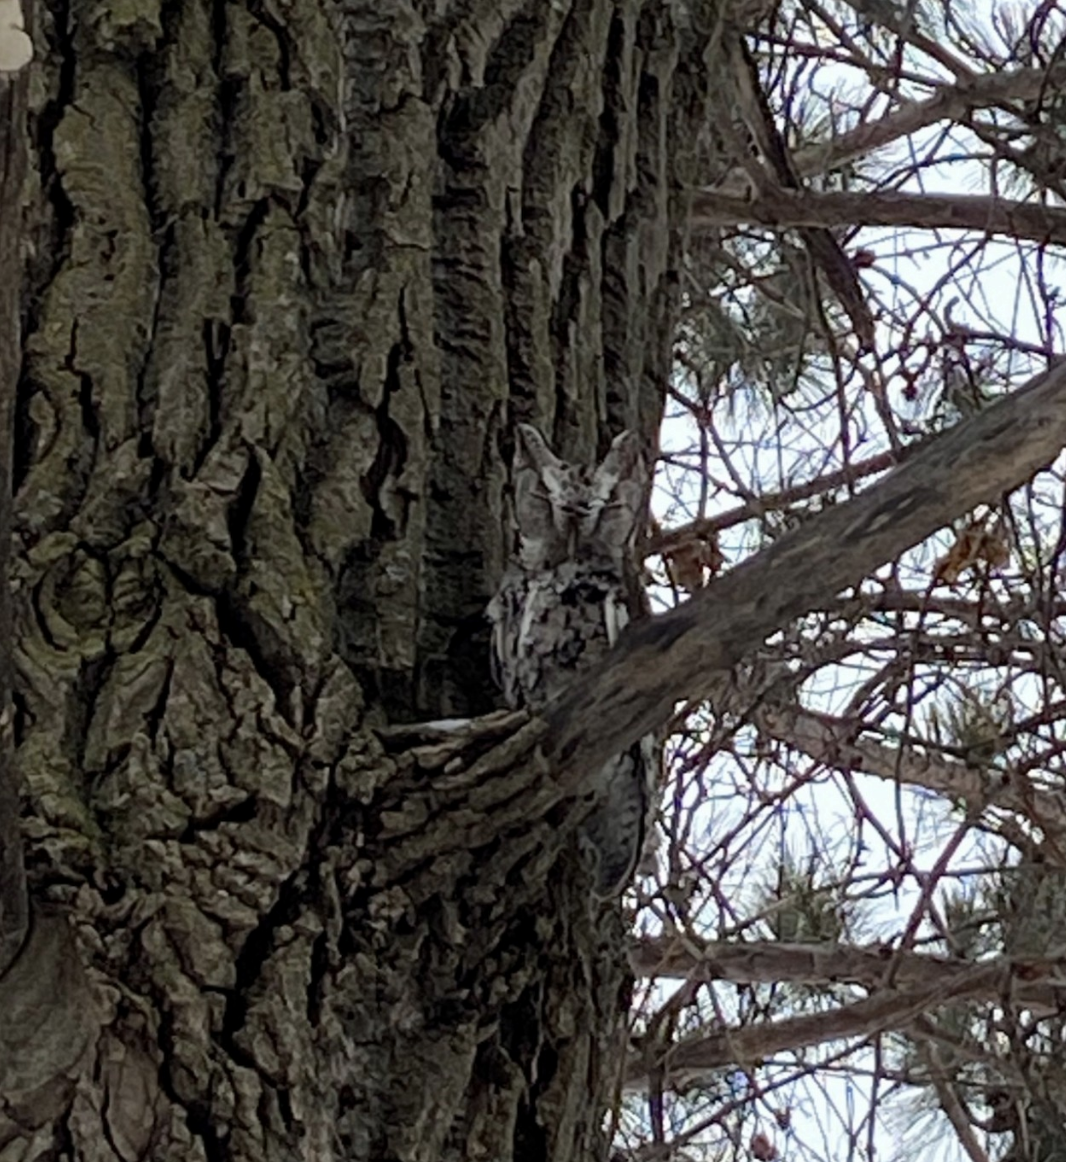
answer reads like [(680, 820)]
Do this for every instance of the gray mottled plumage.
[(562, 604)]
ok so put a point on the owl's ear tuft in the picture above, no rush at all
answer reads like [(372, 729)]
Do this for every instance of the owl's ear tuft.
[(621, 482), (532, 451), (624, 460), (534, 475)]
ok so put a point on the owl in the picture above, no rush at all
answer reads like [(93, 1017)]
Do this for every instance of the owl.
[(562, 604)]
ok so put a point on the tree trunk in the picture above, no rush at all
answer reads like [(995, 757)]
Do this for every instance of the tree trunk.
[(290, 275)]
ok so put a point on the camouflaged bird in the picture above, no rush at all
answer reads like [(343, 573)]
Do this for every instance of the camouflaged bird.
[(562, 604)]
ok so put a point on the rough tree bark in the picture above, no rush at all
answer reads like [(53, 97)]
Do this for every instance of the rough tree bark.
[(289, 274), (14, 910)]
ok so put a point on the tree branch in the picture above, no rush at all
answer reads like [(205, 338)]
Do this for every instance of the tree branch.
[(950, 1104), (903, 22), (667, 540), (891, 1009), (796, 209), (681, 655), (948, 102), (820, 965), (831, 741)]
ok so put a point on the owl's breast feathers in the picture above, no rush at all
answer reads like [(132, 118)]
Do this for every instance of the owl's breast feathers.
[(550, 626)]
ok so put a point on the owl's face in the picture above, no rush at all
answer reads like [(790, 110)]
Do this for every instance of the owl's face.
[(569, 512), (571, 496)]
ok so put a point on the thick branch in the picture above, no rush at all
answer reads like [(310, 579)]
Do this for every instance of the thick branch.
[(679, 656), (892, 1009), (790, 208), (821, 965), (831, 741)]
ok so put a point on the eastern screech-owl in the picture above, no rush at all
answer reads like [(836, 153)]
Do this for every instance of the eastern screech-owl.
[(561, 605)]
